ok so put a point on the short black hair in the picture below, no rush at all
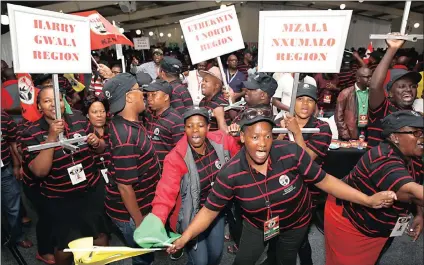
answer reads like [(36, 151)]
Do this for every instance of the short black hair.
[(43, 88), (88, 101)]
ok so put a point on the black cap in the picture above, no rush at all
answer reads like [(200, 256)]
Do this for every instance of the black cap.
[(159, 85), (196, 111), (396, 74), (263, 82), (251, 116), (143, 79), (115, 90), (304, 89), (171, 65), (393, 122)]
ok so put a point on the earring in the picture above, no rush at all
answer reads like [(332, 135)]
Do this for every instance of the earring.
[(86, 116)]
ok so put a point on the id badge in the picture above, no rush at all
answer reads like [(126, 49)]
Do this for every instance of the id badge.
[(400, 226), (77, 174), (363, 119), (327, 99), (271, 228), (104, 174)]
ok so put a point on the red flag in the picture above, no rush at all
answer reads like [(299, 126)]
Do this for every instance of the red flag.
[(103, 34), (28, 96), (370, 49)]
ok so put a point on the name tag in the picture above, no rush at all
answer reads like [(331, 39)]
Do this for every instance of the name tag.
[(363, 119), (77, 174), (400, 226), (327, 99), (271, 228), (104, 174)]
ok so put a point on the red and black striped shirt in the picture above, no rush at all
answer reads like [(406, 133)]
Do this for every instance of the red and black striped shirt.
[(57, 184), (133, 162), (28, 179), (347, 78), (290, 168), (375, 116), (8, 136), (164, 131), (180, 97), (242, 67), (381, 168), (215, 102), (208, 166)]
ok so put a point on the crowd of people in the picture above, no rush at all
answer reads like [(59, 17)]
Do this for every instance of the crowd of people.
[(164, 148)]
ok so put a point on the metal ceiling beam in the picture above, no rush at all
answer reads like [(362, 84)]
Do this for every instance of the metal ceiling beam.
[(75, 6), (162, 11)]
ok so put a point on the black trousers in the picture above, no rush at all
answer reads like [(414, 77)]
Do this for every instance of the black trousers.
[(282, 249), (235, 221), (44, 226)]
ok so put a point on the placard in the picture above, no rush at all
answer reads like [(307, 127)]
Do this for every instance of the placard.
[(302, 41), (212, 34), (141, 43), (49, 42)]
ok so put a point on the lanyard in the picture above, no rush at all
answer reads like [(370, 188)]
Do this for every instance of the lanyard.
[(199, 84), (228, 76), (266, 197)]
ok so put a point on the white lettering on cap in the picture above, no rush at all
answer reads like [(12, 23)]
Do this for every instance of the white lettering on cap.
[(107, 94), (306, 86), (415, 113), (256, 77), (176, 66)]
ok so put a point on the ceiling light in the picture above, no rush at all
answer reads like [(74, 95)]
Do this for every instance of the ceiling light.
[(138, 32), (329, 9), (342, 6), (161, 34), (169, 35), (151, 33), (121, 30), (223, 6), (416, 25), (360, 1), (4, 20), (182, 37)]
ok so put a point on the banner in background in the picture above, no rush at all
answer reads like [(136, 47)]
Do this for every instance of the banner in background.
[(302, 41), (49, 42), (212, 34), (141, 43)]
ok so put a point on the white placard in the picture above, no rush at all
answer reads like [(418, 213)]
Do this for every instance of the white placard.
[(49, 42), (141, 43), (302, 41), (212, 34)]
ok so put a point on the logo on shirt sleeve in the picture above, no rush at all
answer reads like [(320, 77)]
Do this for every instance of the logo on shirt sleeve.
[(218, 164)]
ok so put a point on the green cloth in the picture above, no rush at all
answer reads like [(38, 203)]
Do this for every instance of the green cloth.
[(152, 234), (362, 96), (68, 109)]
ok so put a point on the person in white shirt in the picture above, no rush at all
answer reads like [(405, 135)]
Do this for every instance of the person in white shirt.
[(194, 83)]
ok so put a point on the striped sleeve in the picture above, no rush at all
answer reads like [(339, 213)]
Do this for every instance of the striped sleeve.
[(177, 132), (310, 171), (390, 174), (11, 130), (125, 159), (29, 138), (221, 193), (185, 96), (319, 142)]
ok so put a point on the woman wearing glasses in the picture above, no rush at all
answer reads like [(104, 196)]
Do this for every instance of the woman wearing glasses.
[(268, 179), (356, 234)]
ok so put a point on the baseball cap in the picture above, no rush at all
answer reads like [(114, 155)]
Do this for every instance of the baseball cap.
[(396, 74), (263, 82), (308, 90), (143, 79), (115, 90), (171, 65), (157, 50), (393, 122), (213, 71), (196, 111), (251, 116), (159, 85)]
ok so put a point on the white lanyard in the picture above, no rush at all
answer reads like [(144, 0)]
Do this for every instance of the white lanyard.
[(228, 76)]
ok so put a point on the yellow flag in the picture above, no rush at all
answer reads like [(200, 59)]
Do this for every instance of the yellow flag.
[(77, 86)]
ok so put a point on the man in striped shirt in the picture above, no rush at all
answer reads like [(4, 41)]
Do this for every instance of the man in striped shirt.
[(170, 71), (402, 91), (164, 124), (246, 63), (134, 169)]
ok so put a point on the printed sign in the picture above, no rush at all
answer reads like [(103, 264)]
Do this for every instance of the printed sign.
[(302, 41), (142, 43), (212, 34), (49, 42)]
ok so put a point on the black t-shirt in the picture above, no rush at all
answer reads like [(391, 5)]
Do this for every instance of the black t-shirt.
[(133, 162), (215, 102), (164, 131), (290, 168), (58, 184), (381, 168)]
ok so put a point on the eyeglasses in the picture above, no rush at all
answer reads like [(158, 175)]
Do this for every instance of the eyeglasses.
[(252, 113), (417, 134)]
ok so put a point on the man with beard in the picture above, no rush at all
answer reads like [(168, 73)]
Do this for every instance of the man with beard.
[(402, 91), (152, 68)]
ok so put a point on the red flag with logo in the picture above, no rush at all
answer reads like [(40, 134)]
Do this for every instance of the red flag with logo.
[(103, 33), (28, 96), (370, 49)]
